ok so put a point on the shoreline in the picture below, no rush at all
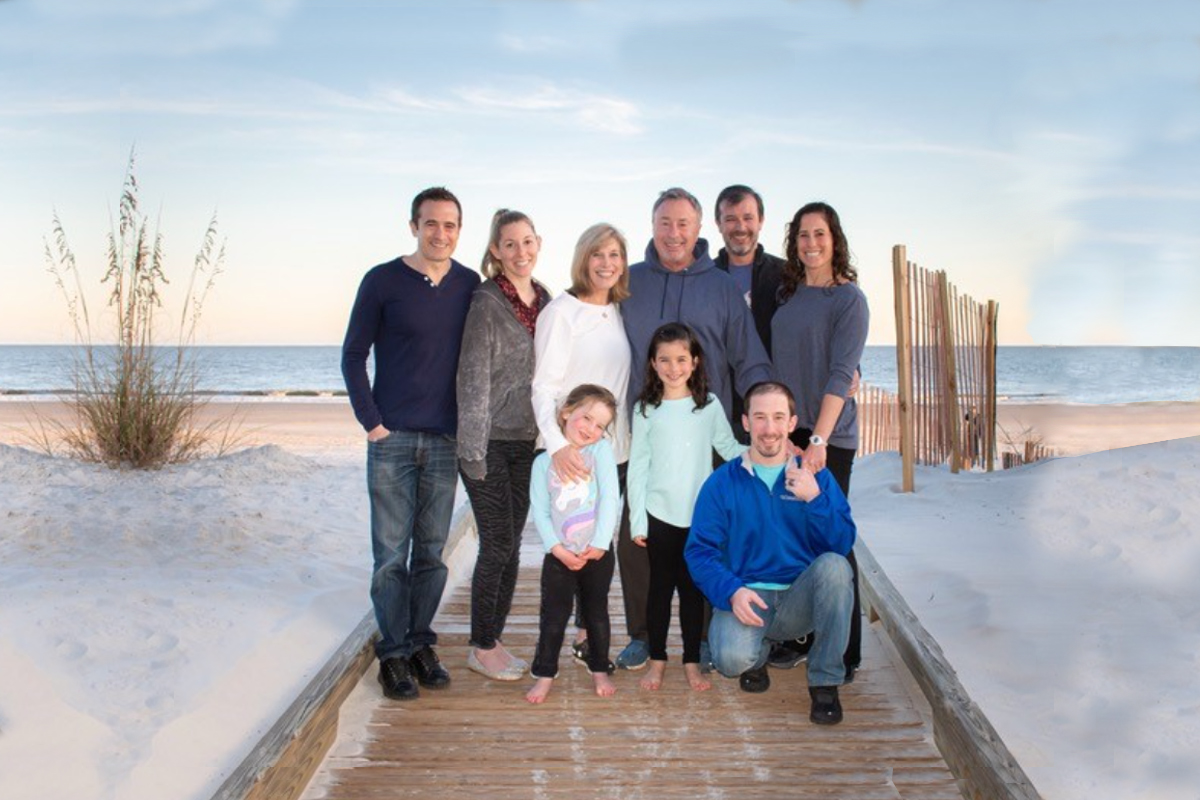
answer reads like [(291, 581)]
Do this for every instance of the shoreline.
[(324, 425)]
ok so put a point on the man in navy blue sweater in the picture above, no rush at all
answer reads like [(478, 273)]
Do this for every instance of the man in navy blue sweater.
[(411, 312), (768, 548)]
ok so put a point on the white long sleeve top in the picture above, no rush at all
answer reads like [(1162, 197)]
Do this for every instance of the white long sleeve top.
[(578, 342)]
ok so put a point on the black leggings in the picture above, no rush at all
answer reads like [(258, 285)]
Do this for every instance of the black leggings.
[(840, 463), (500, 503), (668, 573), (559, 587)]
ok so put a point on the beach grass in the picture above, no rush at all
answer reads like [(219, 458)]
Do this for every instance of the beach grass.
[(134, 403)]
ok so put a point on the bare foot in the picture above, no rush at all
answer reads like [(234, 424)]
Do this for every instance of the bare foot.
[(604, 686), (541, 688), (654, 677), (695, 678)]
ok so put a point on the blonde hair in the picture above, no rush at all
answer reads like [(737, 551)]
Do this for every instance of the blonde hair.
[(490, 267), (590, 241), (584, 394)]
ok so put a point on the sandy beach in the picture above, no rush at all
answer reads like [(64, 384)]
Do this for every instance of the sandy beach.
[(155, 624), (328, 426)]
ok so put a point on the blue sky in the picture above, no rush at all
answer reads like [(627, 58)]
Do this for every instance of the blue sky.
[(1046, 154)]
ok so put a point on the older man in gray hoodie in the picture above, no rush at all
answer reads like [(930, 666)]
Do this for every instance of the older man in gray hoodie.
[(678, 282)]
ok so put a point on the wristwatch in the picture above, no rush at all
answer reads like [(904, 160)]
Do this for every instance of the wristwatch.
[(816, 440)]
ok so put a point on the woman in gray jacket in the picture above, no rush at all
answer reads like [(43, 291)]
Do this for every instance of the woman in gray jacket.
[(497, 432)]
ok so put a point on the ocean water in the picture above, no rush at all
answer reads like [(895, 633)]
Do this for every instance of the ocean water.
[(1024, 374)]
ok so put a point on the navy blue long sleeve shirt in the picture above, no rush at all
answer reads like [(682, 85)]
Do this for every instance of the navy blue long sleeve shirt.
[(416, 330)]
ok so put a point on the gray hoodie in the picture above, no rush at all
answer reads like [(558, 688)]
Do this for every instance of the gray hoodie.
[(495, 371), (705, 299)]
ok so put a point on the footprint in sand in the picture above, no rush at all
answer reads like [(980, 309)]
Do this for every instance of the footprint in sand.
[(70, 649), (160, 642), (1164, 515)]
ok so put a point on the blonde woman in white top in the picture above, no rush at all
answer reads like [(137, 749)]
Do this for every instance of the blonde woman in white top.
[(581, 339)]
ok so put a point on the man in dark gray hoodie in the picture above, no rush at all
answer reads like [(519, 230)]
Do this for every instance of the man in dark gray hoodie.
[(678, 282)]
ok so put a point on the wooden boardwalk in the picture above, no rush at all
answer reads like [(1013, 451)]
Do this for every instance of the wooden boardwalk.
[(479, 738)]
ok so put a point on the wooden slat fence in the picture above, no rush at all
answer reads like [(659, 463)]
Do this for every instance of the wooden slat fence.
[(946, 363)]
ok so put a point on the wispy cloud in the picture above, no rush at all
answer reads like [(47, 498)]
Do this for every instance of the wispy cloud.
[(594, 111)]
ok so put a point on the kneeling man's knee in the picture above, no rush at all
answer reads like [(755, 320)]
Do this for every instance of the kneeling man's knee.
[(735, 647), (833, 570)]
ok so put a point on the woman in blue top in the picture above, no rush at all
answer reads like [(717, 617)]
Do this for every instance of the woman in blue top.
[(677, 424), (817, 337)]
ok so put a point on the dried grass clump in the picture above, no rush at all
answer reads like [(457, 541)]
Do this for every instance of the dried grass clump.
[(1023, 447), (134, 403)]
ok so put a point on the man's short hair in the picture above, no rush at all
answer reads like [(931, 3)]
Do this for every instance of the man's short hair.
[(771, 387), (675, 193), (736, 194), (436, 194)]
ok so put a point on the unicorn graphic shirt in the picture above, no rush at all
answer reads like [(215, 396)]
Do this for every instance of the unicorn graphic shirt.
[(578, 513)]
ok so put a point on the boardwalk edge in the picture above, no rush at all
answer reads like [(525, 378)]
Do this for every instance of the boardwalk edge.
[(974, 751), (280, 766)]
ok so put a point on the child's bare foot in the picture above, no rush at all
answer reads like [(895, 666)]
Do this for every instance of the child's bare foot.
[(541, 688), (654, 677), (604, 686), (695, 678)]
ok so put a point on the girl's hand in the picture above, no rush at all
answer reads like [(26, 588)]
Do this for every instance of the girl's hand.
[(569, 560), (592, 553), (568, 465), (801, 483), (814, 458), (640, 541)]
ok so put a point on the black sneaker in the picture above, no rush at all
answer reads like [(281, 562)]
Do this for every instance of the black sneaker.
[(826, 708), (582, 652), (851, 669), (429, 670), (755, 681), (395, 676), (785, 655)]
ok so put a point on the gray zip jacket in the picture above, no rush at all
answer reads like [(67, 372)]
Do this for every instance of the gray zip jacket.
[(495, 372)]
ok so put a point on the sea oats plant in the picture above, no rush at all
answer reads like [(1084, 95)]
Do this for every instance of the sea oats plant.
[(134, 402)]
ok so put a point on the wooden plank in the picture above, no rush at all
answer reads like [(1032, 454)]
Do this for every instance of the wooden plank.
[(949, 372), (284, 760), (480, 737), (973, 749)]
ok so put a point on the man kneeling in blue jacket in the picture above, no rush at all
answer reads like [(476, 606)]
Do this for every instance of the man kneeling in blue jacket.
[(768, 548)]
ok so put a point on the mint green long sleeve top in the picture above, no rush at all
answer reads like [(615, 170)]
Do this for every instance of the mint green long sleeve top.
[(671, 456)]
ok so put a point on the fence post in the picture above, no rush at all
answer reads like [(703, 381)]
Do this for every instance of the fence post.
[(950, 371), (904, 364), (990, 340)]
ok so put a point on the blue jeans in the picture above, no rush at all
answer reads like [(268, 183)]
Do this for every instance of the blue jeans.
[(411, 478), (819, 600)]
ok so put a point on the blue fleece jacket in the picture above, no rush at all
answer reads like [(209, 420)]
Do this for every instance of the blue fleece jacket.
[(743, 534), (708, 301)]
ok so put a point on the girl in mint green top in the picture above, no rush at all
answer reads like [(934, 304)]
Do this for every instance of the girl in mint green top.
[(677, 424)]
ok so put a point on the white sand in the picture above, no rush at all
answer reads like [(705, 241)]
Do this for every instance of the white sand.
[(1066, 594), (154, 625)]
